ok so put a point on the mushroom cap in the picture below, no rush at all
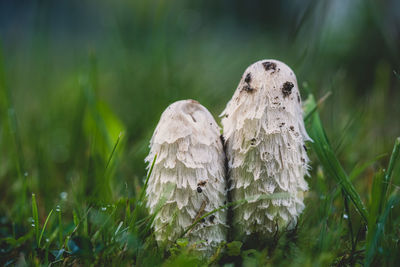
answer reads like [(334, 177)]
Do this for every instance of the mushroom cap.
[(268, 88), (184, 118)]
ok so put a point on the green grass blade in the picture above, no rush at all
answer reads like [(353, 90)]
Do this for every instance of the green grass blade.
[(394, 159), (140, 200), (142, 193), (236, 203), (44, 227), (328, 158), (113, 150), (35, 218), (60, 228), (360, 168), (377, 233), (309, 110), (375, 204)]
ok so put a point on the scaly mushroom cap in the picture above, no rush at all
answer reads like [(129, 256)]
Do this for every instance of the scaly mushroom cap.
[(265, 135), (188, 177)]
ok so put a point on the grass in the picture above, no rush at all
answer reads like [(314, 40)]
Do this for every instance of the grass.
[(119, 232), (76, 118)]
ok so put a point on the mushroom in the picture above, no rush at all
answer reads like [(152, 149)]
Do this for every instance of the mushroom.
[(191, 164), (265, 135)]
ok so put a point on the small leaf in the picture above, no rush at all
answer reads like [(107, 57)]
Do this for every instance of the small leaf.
[(233, 248), (182, 242)]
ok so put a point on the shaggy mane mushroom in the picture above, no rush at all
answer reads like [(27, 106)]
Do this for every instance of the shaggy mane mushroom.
[(265, 135), (188, 177)]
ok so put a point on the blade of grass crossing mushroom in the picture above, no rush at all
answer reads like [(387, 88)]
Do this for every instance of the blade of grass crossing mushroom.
[(328, 159), (140, 201), (147, 180), (235, 203)]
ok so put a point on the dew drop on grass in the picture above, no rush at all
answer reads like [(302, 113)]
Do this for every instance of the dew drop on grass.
[(103, 208), (63, 195), (58, 208), (345, 216), (47, 240), (26, 174), (33, 225)]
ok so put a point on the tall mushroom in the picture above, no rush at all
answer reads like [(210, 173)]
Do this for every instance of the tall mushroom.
[(267, 159), (191, 163)]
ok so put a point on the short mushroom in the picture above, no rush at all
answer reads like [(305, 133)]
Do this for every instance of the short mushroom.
[(190, 164)]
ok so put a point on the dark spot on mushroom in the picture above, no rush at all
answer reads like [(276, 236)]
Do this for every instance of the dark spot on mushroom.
[(303, 160), (282, 124), (291, 128), (269, 65), (199, 190), (305, 148), (298, 97), (253, 141), (226, 115), (225, 202), (287, 88), (247, 88), (248, 78), (212, 217), (201, 183), (284, 107), (194, 120)]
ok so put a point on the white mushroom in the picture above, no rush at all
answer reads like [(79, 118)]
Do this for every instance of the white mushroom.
[(267, 159), (191, 162)]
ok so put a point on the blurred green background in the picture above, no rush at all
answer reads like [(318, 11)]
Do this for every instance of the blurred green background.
[(75, 74)]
